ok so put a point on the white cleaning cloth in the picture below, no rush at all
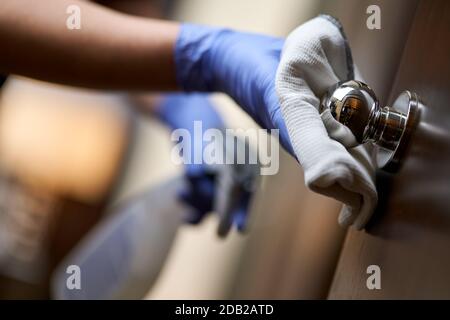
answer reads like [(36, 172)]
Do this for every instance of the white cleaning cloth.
[(316, 56)]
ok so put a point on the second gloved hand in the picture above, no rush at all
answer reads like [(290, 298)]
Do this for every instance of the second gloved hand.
[(183, 111)]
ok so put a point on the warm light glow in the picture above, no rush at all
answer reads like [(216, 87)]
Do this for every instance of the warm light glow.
[(69, 142)]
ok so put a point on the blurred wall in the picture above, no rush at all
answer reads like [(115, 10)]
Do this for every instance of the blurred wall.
[(61, 150), (376, 52)]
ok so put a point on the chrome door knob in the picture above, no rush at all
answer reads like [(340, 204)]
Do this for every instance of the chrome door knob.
[(355, 105)]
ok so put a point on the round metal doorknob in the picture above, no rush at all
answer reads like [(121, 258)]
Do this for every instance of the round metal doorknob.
[(354, 104)]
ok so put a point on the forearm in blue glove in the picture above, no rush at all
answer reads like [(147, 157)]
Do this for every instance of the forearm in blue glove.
[(242, 65)]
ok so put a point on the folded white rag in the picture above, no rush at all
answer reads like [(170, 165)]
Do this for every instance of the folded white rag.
[(316, 56)]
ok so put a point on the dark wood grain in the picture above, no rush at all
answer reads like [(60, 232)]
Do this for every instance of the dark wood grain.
[(409, 237)]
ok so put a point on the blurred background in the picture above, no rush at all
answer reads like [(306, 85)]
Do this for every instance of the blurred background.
[(71, 158)]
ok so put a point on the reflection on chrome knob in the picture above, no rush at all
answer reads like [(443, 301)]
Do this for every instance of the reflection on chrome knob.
[(354, 104)]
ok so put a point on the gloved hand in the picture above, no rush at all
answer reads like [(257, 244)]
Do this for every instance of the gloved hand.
[(316, 56), (242, 65), (180, 111)]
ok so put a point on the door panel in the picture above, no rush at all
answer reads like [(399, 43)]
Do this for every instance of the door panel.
[(409, 237)]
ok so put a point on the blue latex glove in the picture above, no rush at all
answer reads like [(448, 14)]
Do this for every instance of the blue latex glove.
[(179, 111), (242, 65)]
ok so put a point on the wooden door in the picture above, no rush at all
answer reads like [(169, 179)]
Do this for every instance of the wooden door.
[(409, 236)]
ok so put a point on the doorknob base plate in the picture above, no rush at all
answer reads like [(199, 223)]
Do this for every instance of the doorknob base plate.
[(409, 104)]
